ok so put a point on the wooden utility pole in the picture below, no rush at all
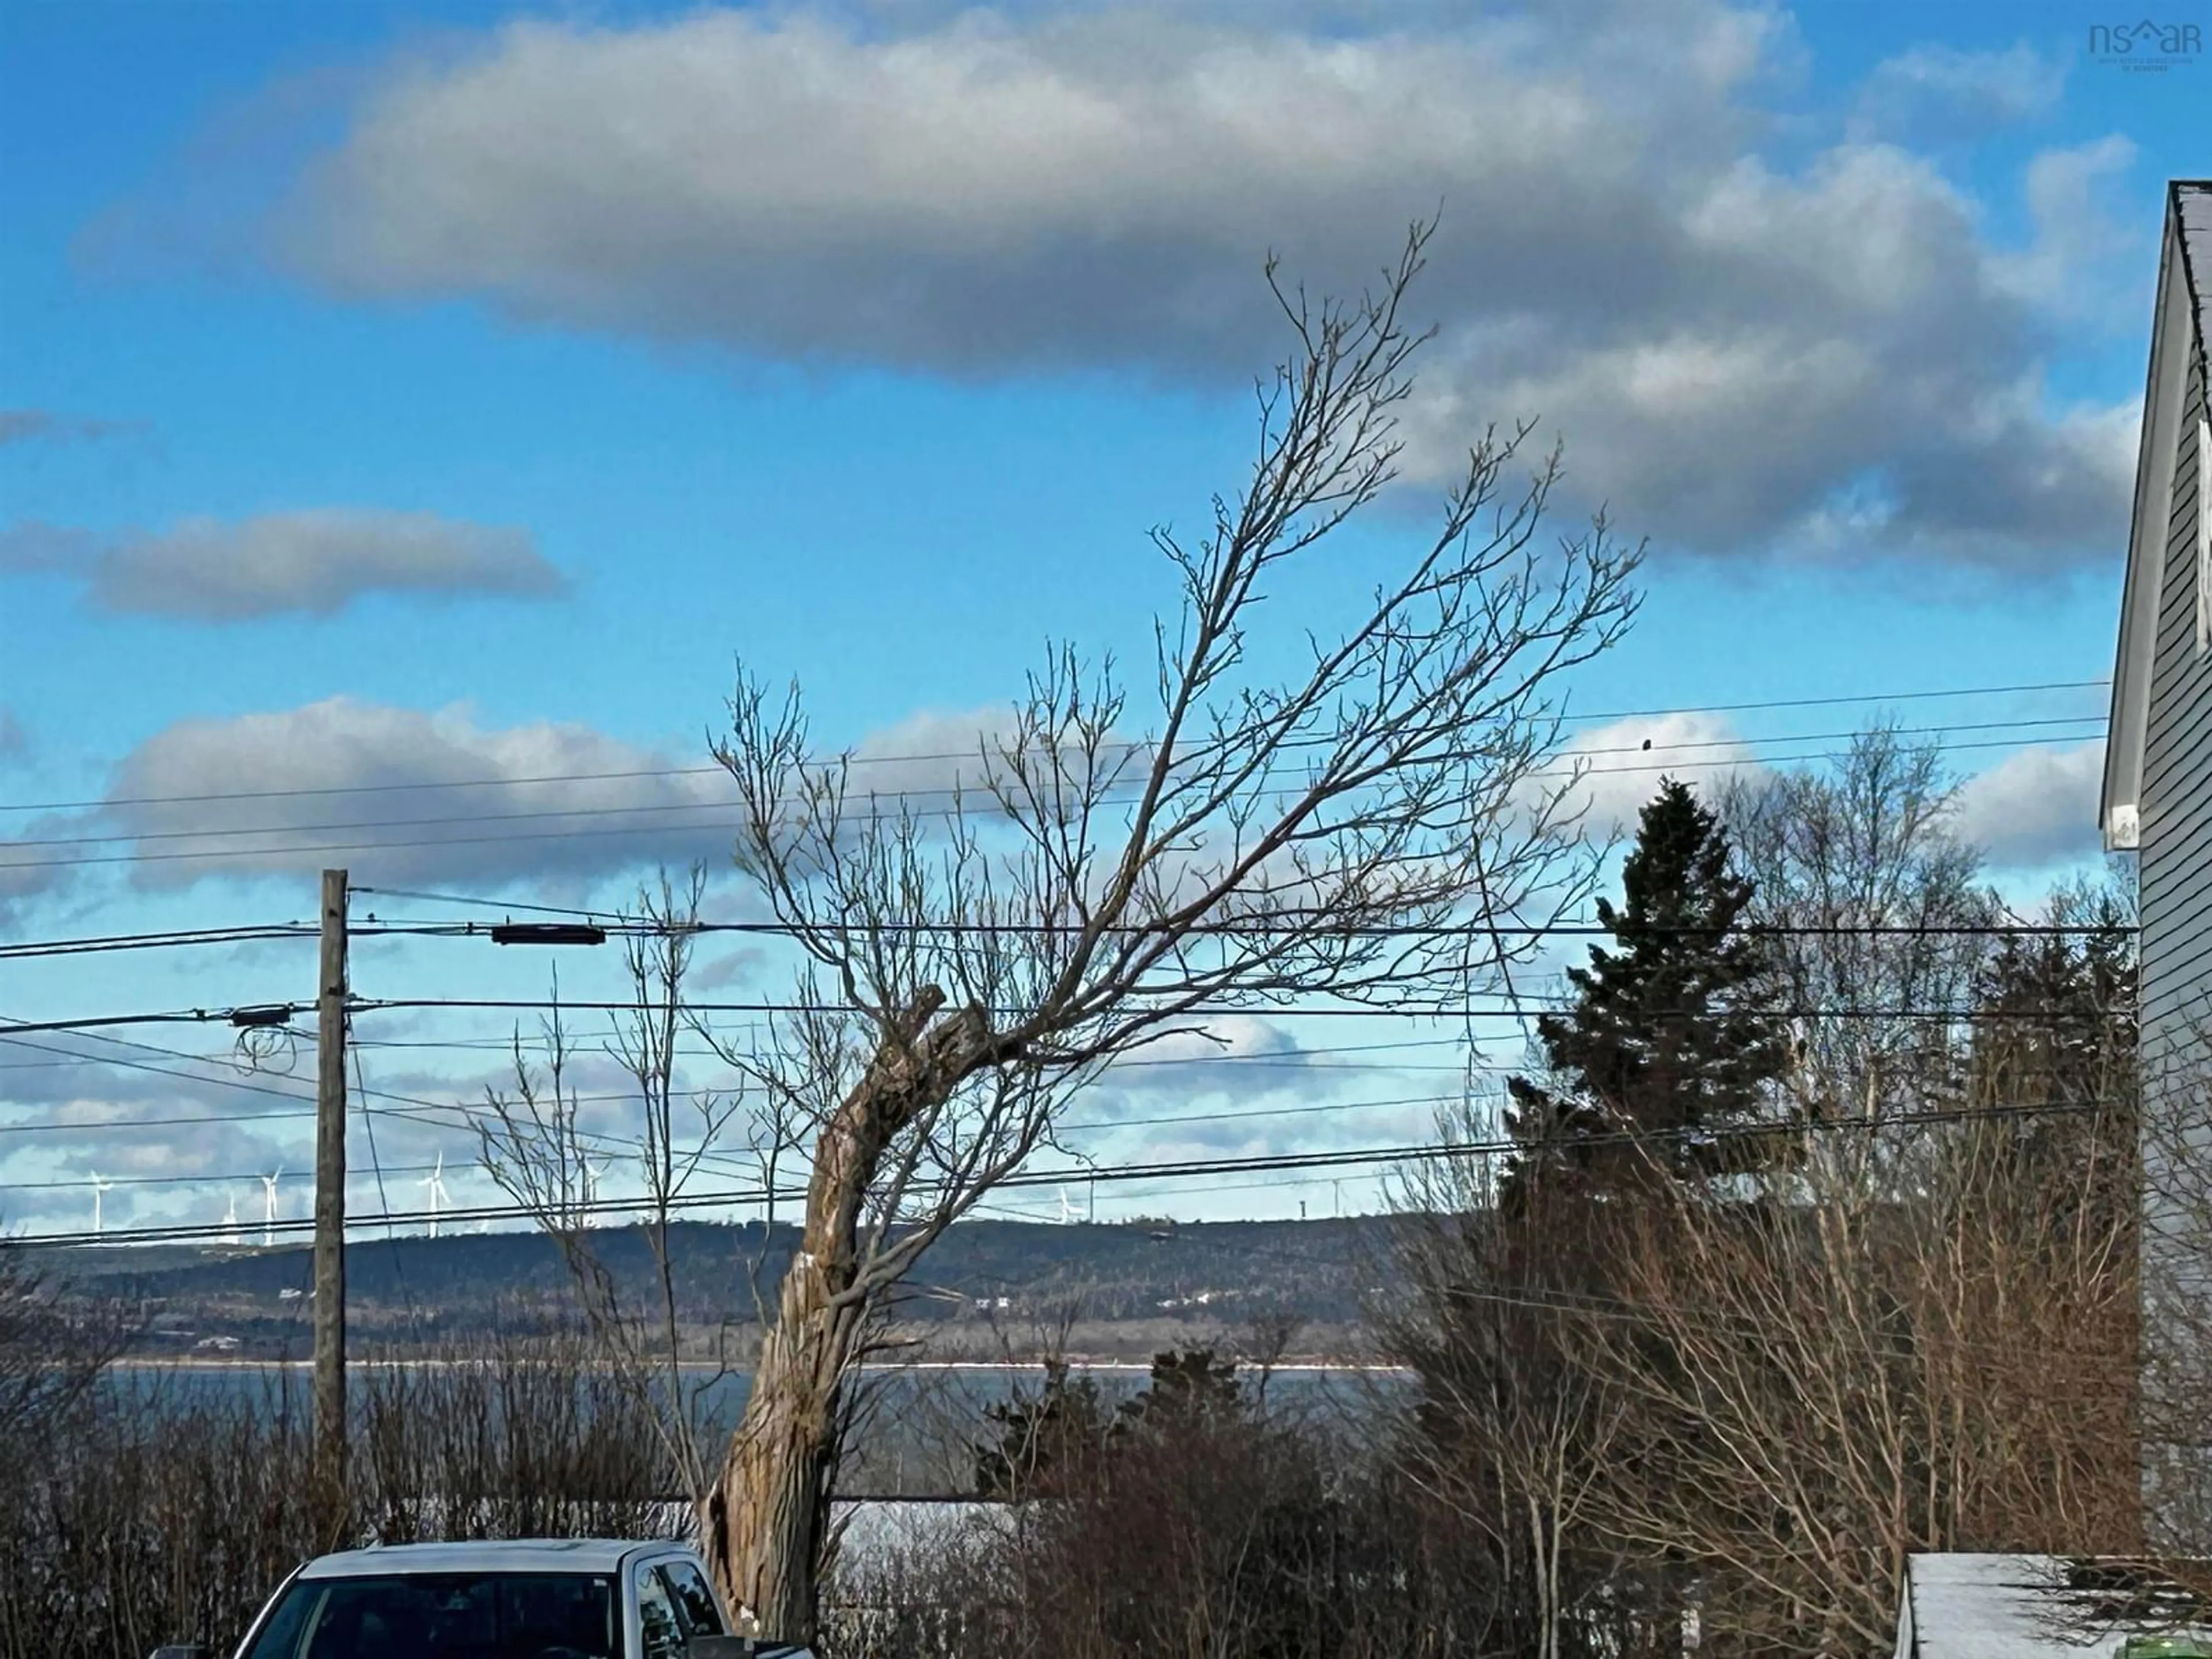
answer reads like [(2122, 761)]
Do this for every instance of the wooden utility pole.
[(330, 1464)]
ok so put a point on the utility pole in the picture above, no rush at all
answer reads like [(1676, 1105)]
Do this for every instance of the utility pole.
[(330, 1388)]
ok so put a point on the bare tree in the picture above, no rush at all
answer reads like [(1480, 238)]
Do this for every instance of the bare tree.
[(1930, 1344), (535, 1147), (1513, 1435), (53, 1346), (1849, 1376), (1748, 1403), (1329, 835), (1262, 1344), (1877, 908)]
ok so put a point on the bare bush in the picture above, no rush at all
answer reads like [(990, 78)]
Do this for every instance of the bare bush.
[(165, 1505), (534, 1146), (1735, 1408), (159, 1510), (492, 1439), (1201, 1527), (53, 1346), (1824, 1384)]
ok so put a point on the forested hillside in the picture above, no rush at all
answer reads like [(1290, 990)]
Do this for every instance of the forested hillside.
[(987, 1284)]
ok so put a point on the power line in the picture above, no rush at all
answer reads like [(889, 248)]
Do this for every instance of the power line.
[(388, 844), (1082, 1127), (233, 1179), (177, 1017), (178, 939), (1298, 1059), (185, 1122), (1282, 922), (1270, 1010), (465, 1116), (1282, 1056), (911, 759), (923, 792), (448, 1110), (1265, 1059), (165, 938), (1270, 926), (502, 905), (360, 1005)]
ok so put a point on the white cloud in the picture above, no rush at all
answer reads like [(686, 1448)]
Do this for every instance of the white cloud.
[(1625, 761), (1933, 93), (1241, 1061), (97, 1110), (1214, 1037), (405, 796), (983, 196), (928, 751), (316, 562), (2082, 256), (2035, 807)]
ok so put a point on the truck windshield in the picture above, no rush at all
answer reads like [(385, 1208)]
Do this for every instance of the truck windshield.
[(509, 1615)]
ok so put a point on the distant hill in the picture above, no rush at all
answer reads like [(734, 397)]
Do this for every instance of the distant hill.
[(985, 1285)]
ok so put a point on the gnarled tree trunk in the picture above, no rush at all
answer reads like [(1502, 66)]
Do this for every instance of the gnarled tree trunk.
[(767, 1518)]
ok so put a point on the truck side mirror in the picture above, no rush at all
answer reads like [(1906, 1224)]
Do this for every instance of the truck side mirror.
[(718, 1647)]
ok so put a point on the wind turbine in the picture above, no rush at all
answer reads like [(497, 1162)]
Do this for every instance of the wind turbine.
[(269, 1208), (1066, 1210), (98, 1188), (435, 1184), (594, 1173), (230, 1221)]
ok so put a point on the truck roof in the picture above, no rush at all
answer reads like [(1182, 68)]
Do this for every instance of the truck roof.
[(595, 1555)]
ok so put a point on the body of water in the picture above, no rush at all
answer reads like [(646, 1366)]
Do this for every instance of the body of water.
[(915, 1432)]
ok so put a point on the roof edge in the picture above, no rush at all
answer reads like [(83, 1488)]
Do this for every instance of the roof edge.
[(2172, 330)]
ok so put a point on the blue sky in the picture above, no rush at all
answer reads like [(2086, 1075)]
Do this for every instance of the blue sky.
[(408, 394)]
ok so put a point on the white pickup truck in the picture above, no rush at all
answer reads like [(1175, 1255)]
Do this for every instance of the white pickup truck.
[(582, 1598)]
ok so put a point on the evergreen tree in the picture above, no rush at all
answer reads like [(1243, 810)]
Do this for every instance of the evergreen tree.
[(2059, 1008), (1042, 1444), (1672, 1032), (2058, 1031), (1187, 1387), (1036, 1442)]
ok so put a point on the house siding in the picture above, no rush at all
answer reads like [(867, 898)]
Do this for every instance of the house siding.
[(2175, 855), (2174, 875)]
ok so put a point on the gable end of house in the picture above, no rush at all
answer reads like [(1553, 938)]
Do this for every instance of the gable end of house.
[(2168, 509)]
